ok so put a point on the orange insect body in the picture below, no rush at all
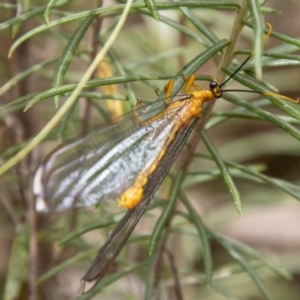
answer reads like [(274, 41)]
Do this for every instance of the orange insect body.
[(188, 109)]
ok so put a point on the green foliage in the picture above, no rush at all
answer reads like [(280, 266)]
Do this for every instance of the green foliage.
[(50, 93)]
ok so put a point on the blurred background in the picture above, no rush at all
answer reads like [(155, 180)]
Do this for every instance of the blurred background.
[(271, 222)]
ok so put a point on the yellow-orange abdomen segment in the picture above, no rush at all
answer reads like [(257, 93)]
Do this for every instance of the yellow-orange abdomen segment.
[(131, 197)]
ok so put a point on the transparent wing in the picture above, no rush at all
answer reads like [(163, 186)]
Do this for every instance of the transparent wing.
[(116, 241), (104, 163)]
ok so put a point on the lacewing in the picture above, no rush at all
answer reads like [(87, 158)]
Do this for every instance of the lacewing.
[(125, 159)]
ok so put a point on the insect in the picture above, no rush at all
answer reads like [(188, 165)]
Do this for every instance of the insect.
[(126, 159)]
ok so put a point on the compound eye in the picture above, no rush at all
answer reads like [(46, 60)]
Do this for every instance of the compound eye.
[(213, 85)]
